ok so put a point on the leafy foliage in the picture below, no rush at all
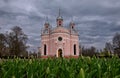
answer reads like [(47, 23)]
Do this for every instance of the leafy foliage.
[(84, 67)]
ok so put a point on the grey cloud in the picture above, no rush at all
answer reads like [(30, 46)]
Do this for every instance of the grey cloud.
[(96, 20)]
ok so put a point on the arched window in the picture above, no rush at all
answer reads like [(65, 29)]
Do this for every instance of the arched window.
[(74, 49), (60, 53), (45, 47), (59, 23)]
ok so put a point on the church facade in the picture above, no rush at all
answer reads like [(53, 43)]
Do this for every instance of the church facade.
[(59, 41)]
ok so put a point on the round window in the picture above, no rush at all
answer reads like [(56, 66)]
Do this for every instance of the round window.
[(60, 38)]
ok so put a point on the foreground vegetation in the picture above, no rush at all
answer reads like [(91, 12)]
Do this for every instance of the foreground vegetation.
[(84, 67)]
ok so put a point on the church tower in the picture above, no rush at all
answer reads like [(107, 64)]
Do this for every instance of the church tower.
[(72, 25), (46, 26), (73, 30), (59, 20)]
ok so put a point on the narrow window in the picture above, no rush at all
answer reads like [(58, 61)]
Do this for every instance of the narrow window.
[(75, 49), (60, 23), (45, 49), (72, 27)]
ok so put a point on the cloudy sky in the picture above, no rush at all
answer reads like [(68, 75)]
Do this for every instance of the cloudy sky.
[(96, 20)]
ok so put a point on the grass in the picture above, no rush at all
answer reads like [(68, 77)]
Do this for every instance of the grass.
[(83, 67)]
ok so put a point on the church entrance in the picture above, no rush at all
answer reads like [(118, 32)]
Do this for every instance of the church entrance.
[(60, 53)]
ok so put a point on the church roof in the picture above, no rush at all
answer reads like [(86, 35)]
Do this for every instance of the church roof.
[(60, 30)]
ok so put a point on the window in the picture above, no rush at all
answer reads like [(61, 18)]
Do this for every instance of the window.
[(60, 38), (72, 27), (45, 49), (60, 23), (74, 49)]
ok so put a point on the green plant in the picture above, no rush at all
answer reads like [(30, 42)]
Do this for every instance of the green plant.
[(84, 67)]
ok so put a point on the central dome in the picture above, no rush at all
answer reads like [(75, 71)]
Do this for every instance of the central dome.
[(60, 30)]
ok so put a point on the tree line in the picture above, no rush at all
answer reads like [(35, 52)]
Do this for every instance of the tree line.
[(111, 48)]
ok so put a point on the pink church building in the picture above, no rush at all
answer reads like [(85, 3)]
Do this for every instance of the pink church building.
[(60, 41)]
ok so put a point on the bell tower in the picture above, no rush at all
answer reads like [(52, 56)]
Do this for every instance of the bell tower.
[(46, 24), (72, 24), (46, 27), (72, 27), (59, 20)]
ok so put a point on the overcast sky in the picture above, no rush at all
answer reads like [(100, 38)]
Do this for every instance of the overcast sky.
[(96, 20)]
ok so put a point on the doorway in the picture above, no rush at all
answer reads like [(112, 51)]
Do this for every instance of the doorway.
[(60, 53)]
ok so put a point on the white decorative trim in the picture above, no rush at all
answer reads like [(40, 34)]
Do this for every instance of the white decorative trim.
[(64, 38)]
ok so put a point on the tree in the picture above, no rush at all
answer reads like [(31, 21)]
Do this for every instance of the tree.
[(109, 47), (105, 52), (16, 40), (88, 51), (116, 43), (2, 43)]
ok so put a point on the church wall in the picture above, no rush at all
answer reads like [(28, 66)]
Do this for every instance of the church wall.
[(66, 44), (74, 40), (55, 44), (45, 41)]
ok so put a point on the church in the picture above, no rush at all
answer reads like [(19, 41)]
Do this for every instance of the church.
[(59, 41)]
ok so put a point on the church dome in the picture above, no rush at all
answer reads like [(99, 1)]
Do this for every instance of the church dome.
[(60, 30), (59, 17)]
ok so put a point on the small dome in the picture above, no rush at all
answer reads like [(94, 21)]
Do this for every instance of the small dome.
[(71, 22), (46, 22), (59, 17)]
